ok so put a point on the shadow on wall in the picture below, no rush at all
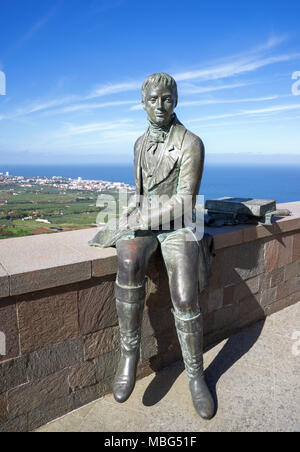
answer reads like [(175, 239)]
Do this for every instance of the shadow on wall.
[(230, 303)]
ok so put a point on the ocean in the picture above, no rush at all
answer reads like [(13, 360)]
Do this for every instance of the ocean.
[(279, 182)]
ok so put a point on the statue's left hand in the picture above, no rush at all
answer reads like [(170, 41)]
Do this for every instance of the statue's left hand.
[(135, 220)]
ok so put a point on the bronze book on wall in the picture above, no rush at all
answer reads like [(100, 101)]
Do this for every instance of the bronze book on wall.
[(230, 211), (241, 206)]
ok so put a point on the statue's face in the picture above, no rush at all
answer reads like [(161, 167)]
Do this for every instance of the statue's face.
[(159, 103)]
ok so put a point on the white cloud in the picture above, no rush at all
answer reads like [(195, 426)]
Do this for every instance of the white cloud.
[(105, 90), (35, 28), (189, 88), (225, 101), (95, 127), (231, 67), (262, 111), (46, 105), (241, 66), (93, 106)]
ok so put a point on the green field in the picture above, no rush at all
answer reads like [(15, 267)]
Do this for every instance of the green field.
[(65, 210)]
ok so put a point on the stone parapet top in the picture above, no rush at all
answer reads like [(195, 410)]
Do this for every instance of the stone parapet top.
[(29, 264), (235, 235)]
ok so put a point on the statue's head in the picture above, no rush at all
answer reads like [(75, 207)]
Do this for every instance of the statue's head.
[(159, 97)]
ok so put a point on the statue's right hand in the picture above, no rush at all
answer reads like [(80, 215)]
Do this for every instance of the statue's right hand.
[(134, 220)]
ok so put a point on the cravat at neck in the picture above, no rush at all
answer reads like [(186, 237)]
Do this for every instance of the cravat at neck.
[(159, 134)]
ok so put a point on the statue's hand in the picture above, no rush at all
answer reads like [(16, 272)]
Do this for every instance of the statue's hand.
[(123, 223), (135, 220)]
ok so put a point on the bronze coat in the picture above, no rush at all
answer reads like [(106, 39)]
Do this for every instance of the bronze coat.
[(177, 173)]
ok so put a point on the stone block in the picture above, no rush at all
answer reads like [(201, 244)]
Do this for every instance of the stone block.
[(50, 411), (158, 362), (295, 284), (228, 239), (160, 344), (283, 290), (8, 326), (13, 373), (158, 296), (229, 295), (50, 360), (106, 365), (296, 247), (49, 278), (215, 300), (167, 341), (250, 311), (265, 281), (103, 260), (268, 296), (102, 342), (48, 320), (285, 250), (277, 276), (208, 322), (203, 298), (4, 283), (82, 375), (214, 279), (283, 303), (241, 263), (32, 395), (271, 255), (247, 288), (16, 425), (149, 348), (292, 270), (287, 224), (156, 321), (3, 407), (253, 284), (97, 307), (251, 233), (105, 266), (105, 387), (91, 393), (42, 262), (144, 370), (226, 318), (147, 328)]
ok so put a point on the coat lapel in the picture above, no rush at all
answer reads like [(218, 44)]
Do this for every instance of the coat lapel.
[(167, 159), (137, 163), (169, 154)]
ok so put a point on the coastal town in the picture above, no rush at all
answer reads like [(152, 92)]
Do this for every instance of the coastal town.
[(63, 183), (40, 205)]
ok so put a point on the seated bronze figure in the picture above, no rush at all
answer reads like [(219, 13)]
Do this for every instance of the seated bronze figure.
[(168, 160)]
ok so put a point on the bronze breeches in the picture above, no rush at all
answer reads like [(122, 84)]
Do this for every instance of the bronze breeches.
[(180, 252)]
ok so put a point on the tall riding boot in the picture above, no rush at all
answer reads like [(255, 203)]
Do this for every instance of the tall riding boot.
[(190, 334), (130, 305)]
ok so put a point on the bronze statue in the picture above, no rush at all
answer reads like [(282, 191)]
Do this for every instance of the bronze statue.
[(168, 160)]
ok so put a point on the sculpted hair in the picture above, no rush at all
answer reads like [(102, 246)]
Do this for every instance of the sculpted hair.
[(158, 79)]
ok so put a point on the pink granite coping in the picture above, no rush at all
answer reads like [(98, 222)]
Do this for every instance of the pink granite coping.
[(46, 261), (4, 283), (41, 262)]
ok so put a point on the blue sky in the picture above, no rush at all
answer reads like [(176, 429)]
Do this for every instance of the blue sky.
[(74, 70)]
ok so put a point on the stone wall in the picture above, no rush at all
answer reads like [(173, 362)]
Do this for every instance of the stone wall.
[(57, 311)]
